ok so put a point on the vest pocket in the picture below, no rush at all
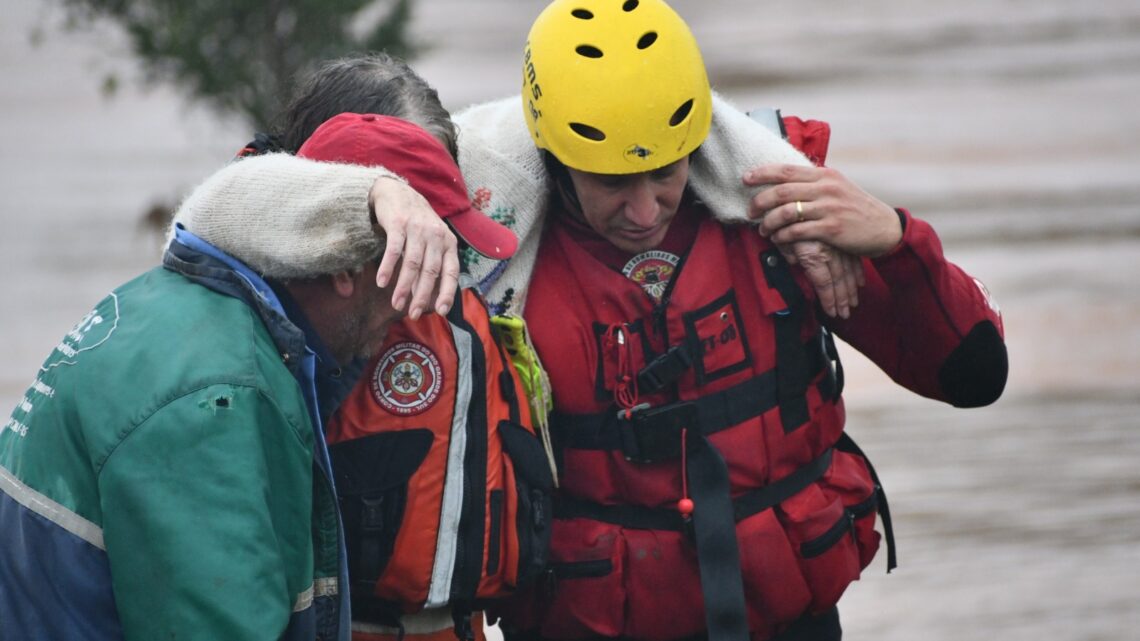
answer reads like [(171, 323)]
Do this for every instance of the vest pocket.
[(863, 523), (372, 475), (775, 589), (831, 525), (588, 594), (849, 482), (663, 586), (819, 528)]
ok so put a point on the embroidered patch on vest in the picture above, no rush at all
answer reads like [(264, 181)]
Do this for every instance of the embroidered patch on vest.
[(407, 379), (652, 270)]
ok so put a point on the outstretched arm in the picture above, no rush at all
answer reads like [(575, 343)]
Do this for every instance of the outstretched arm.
[(244, 210)]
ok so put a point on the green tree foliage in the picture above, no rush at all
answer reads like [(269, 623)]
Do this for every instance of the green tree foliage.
[(244, 56)]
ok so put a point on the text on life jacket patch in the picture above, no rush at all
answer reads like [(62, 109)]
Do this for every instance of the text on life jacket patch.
[(717, 331), (652, 270), (407, 379)]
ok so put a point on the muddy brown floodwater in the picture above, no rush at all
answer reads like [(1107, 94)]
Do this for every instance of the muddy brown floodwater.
[(1013, 126)]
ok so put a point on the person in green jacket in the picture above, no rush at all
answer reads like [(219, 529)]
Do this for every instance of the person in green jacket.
[(166, 476)]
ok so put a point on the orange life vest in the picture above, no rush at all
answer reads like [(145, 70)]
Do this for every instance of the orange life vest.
[(443, 484)]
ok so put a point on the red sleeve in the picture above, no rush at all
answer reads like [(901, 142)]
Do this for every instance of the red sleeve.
[(929, 325)]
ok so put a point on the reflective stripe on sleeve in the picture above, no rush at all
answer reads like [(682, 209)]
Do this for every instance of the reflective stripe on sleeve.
[(50, 510)]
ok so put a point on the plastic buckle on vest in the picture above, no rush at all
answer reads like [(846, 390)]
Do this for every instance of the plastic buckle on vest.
[(663, 370), (653, 434)]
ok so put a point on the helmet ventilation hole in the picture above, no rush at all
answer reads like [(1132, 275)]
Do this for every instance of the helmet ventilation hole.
[(588, 132), (589, 51), (646, 40), (629, 5), (681, 113), (582, 14)]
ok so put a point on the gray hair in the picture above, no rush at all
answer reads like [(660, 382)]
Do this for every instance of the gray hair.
[(368, 83)]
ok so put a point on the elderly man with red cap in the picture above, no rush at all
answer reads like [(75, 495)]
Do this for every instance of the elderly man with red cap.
[(166, 474)]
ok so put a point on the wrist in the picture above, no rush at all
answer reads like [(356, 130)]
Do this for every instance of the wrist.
[(902, 216), (376, 189)]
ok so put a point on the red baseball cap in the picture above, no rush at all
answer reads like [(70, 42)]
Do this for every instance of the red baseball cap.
[(407, 150)]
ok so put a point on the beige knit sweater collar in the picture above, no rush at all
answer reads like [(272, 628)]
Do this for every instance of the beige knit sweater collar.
[(507, 180)]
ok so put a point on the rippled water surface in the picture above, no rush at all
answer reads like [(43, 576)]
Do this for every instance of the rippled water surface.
[(1013, 126)]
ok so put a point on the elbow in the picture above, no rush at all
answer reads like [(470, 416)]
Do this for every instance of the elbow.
[(975, 373)]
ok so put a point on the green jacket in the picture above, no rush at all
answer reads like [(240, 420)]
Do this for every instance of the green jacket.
[(157, 480)]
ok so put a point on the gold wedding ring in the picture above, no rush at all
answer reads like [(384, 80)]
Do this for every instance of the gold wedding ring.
[(799, 212)]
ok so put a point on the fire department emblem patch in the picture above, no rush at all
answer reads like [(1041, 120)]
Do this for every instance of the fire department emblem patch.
[(652, 270), (407, 379)]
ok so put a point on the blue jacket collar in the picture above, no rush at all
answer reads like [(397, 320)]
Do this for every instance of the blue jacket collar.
[(290, 328)]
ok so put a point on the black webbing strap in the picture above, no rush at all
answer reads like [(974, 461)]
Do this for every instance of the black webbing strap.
[(713, 412), (664, 370), (791, 363), (718, 558), (713, 526), (760, 499), (637, 517), (375, 523), (634, 517), (848, 444)]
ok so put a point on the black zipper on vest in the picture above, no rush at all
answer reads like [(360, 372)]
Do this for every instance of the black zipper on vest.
[(845, 525)]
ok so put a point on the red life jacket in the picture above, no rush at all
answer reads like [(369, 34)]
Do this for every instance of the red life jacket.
[(743, 406), (444, 486)]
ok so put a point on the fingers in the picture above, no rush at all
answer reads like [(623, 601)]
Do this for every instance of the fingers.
[(834, 275), (814, 258), (846, 290), (430, 269), (783, 184), (431, 261), (448, 281), (393, 249), (414, 252), (777, 224), (777, 174), (788, 254), (856, 278), (417, 241)]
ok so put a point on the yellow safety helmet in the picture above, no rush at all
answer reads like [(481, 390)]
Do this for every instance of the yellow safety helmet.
[(615, 86)]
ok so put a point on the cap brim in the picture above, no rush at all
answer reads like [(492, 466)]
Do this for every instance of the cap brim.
[(484, 235)]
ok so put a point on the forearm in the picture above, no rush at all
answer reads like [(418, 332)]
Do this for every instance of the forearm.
[(927, 323), (250, 210)]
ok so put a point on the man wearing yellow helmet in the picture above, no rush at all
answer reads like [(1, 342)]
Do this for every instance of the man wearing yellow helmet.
[(707, 487)]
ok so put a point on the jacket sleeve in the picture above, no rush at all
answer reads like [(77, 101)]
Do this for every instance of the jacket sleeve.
[(251, 208), (928, 324), (207, 510)]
